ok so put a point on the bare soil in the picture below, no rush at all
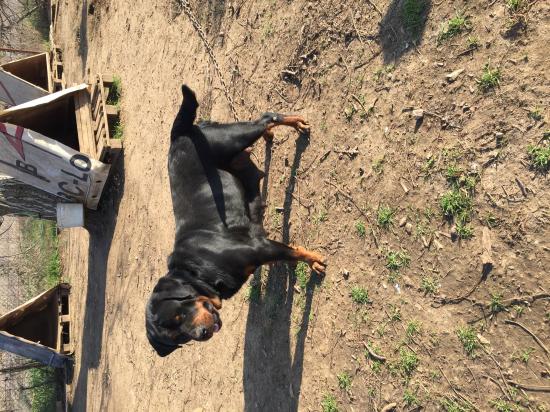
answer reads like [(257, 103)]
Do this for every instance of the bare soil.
[(355, 73)]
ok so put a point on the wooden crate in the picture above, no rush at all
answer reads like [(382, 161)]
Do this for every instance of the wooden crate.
[(96, 119)]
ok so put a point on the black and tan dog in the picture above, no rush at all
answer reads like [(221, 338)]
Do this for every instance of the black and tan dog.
[(220, 239)]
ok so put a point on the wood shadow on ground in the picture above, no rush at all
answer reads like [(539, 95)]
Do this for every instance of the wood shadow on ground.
[(272, 377), (101, 226), (402, 27)]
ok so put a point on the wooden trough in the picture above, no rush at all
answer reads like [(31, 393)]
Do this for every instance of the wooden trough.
[(40, 329), (35, 69)]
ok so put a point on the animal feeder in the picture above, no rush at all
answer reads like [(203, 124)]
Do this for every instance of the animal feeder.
[(40, 329)]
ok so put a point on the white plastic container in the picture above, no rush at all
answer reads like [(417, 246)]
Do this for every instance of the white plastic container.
[(70, 215)]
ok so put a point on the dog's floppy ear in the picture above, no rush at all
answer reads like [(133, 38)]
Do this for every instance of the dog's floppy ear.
[(161, 348), (168, 288), (166, 297)]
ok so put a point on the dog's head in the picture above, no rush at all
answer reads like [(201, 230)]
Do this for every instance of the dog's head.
[(177, 313)]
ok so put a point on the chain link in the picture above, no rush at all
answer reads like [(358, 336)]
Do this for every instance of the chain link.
[(187, 10)]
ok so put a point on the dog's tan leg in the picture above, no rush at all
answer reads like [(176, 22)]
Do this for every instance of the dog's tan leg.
[(315, 260)]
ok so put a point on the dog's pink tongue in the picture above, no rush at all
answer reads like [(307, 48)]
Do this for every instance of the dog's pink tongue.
[(216, 327)]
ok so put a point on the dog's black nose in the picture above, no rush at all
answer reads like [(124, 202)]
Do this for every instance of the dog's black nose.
[(204, 332)]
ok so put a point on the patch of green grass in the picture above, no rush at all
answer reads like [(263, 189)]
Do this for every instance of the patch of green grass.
[(408, 362), (452, 174), (429, 285), (376, 366), (118, 132), (344, 381), (36, 13), (500, 405), (410, 398), (490, 78), (413, 15), (539, 157), (413, 329), (464, 231), (458, 24), (396, 260), (42, 382), (514, 5), (468, 338), (115, 92), (496, 303), (524, 355), (41, 261), (450, 405), (385, 216), (360, 228), (329, 403), (302, 273), (456, 203), (359, 295)]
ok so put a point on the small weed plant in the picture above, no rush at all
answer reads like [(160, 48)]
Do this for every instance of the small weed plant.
[(408, 362), (539, 157), (490, 78), (344, 381), (429, 285), (360, 228), (468, 338), (329, 403), (458, 24), (413, 329), (396, 260), (385, 216), (360, 295), (496, 303), (410, 398)]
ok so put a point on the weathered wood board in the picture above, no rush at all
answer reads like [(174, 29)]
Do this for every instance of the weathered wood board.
[(15, 91)]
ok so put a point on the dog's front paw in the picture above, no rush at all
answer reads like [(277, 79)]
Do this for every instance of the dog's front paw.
[(319, 266), (302, 126), (316, 261)]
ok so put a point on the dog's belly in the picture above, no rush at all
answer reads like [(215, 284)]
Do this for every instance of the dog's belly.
[(211, 200)]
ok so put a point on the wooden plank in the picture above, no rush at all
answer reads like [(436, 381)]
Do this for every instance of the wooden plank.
[(50, 76), (32, 350), (14, 91), (94, 95), (112, 110), (103, 106), (87, 120)]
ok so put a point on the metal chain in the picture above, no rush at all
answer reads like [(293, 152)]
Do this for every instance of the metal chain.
[(187, 10)]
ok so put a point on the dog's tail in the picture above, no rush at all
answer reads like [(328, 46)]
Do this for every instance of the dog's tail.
[(187, 113)]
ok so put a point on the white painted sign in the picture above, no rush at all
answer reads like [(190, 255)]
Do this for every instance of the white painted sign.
[(44, 163)]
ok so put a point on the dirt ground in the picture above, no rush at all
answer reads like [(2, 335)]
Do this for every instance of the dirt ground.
[(355, 73)]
